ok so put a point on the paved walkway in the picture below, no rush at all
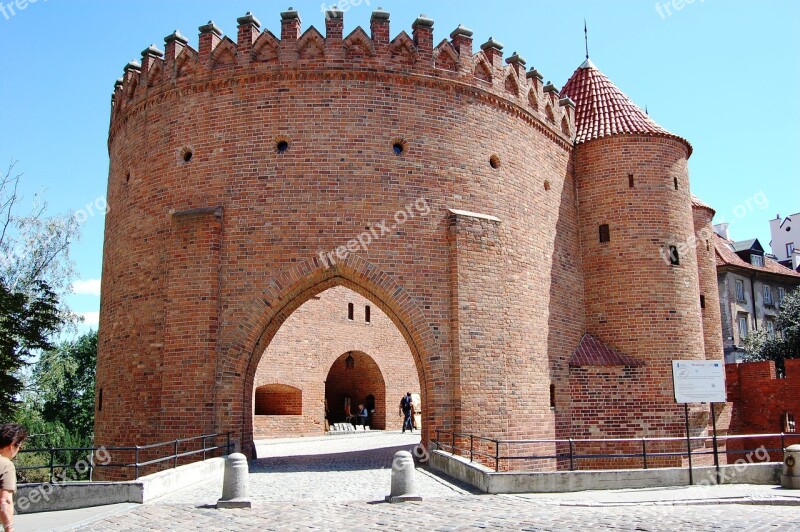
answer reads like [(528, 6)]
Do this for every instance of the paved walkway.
[(338, 482)]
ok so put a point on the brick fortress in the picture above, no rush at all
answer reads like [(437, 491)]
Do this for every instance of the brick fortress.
[(513, 234)]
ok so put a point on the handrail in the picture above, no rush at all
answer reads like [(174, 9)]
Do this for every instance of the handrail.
[(136, 464), (456, 438)]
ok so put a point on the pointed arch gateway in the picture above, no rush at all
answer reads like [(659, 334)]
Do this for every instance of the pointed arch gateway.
[(285, 294)]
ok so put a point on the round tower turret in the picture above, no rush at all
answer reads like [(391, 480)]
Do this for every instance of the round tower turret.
[(641, 275)]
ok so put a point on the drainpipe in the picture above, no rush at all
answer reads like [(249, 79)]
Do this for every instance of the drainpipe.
[(753, 295)]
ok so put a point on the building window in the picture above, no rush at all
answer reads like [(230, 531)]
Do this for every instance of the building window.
[(367, 314), (702, 301), (789, 249), (674, 259), (757, 260), (675, 182), (770, 326), (781, 293), (739, 290), (767, 295), (630, 180), (552, 396), (605, 233), (742, 327), (350, 311)]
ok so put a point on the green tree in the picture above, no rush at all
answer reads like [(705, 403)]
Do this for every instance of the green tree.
[(760, 346), (63, 380), (27, 319)]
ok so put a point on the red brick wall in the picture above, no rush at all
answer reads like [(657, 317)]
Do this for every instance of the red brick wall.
[(759, 400)]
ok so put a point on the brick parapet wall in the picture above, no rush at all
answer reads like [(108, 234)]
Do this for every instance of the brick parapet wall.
[(759, 401)]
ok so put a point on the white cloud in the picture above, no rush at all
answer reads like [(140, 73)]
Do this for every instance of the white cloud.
[(88, 287), (91, 319)]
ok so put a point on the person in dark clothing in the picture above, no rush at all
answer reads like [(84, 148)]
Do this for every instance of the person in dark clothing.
[(406, 407)]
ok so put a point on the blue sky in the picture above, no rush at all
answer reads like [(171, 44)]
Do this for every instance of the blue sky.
[(721, 73)]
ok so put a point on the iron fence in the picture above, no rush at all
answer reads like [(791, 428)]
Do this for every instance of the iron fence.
[(179, 448), (490, 450)]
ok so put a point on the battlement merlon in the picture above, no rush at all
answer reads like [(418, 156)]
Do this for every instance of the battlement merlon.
[(258, 51)]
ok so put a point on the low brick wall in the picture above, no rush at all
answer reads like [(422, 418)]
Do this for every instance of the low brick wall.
[(760, 400)]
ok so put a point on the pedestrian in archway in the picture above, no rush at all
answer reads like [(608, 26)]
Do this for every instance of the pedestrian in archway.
[(406, 406), (11, 437), (363, 415)]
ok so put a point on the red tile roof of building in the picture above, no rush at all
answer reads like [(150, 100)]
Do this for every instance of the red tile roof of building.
[(593, 352), (697, 203), (601, 109), (727, 257)]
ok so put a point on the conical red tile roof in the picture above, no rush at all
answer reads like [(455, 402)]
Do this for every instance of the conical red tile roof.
[(601, 109)]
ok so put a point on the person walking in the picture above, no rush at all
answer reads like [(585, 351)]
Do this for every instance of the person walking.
[(12, 436), (406, 406)]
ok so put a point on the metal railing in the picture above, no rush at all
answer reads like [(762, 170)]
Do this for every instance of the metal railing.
[(179, 448), (489, 449)]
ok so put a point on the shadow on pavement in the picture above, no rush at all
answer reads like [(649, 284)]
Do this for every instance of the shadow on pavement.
[(379, 458)]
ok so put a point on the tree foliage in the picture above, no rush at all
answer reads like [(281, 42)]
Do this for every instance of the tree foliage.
[(34, 248), (26, 322), (760, 346), (64, 383)]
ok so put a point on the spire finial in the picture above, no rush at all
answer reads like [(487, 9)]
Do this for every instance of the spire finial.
[(586, 37)]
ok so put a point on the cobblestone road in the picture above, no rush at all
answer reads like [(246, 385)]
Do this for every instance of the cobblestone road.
[(340, 482)]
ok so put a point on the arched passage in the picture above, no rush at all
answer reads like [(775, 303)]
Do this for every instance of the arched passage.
[(240, 358), (356, 379)]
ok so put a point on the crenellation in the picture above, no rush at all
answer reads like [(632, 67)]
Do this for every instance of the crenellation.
[(422, 32), (518, 63), (334, 25), (249, 29), (461, 39), (210, 37), (379, 26), (290, 25), (493, 51), (258, 50)]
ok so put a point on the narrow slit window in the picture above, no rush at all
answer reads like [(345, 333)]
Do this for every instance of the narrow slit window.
[(349, 311), (702, 301), (367, 314), (630, 180), (552, 396), (674, 259), (100, 401), (675, 182), (605, 233)]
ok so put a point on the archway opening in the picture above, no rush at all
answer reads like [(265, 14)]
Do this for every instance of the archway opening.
[(329, 348), (354, 380)]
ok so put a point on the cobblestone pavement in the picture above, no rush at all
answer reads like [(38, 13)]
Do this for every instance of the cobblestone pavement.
[(340, 482)]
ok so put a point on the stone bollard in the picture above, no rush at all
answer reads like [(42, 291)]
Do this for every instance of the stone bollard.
[(234, 485), (791, 468), (404, 484)]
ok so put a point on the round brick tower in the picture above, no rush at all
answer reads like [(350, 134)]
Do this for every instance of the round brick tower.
[(640, 271), (707, 274), (253, 173)]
